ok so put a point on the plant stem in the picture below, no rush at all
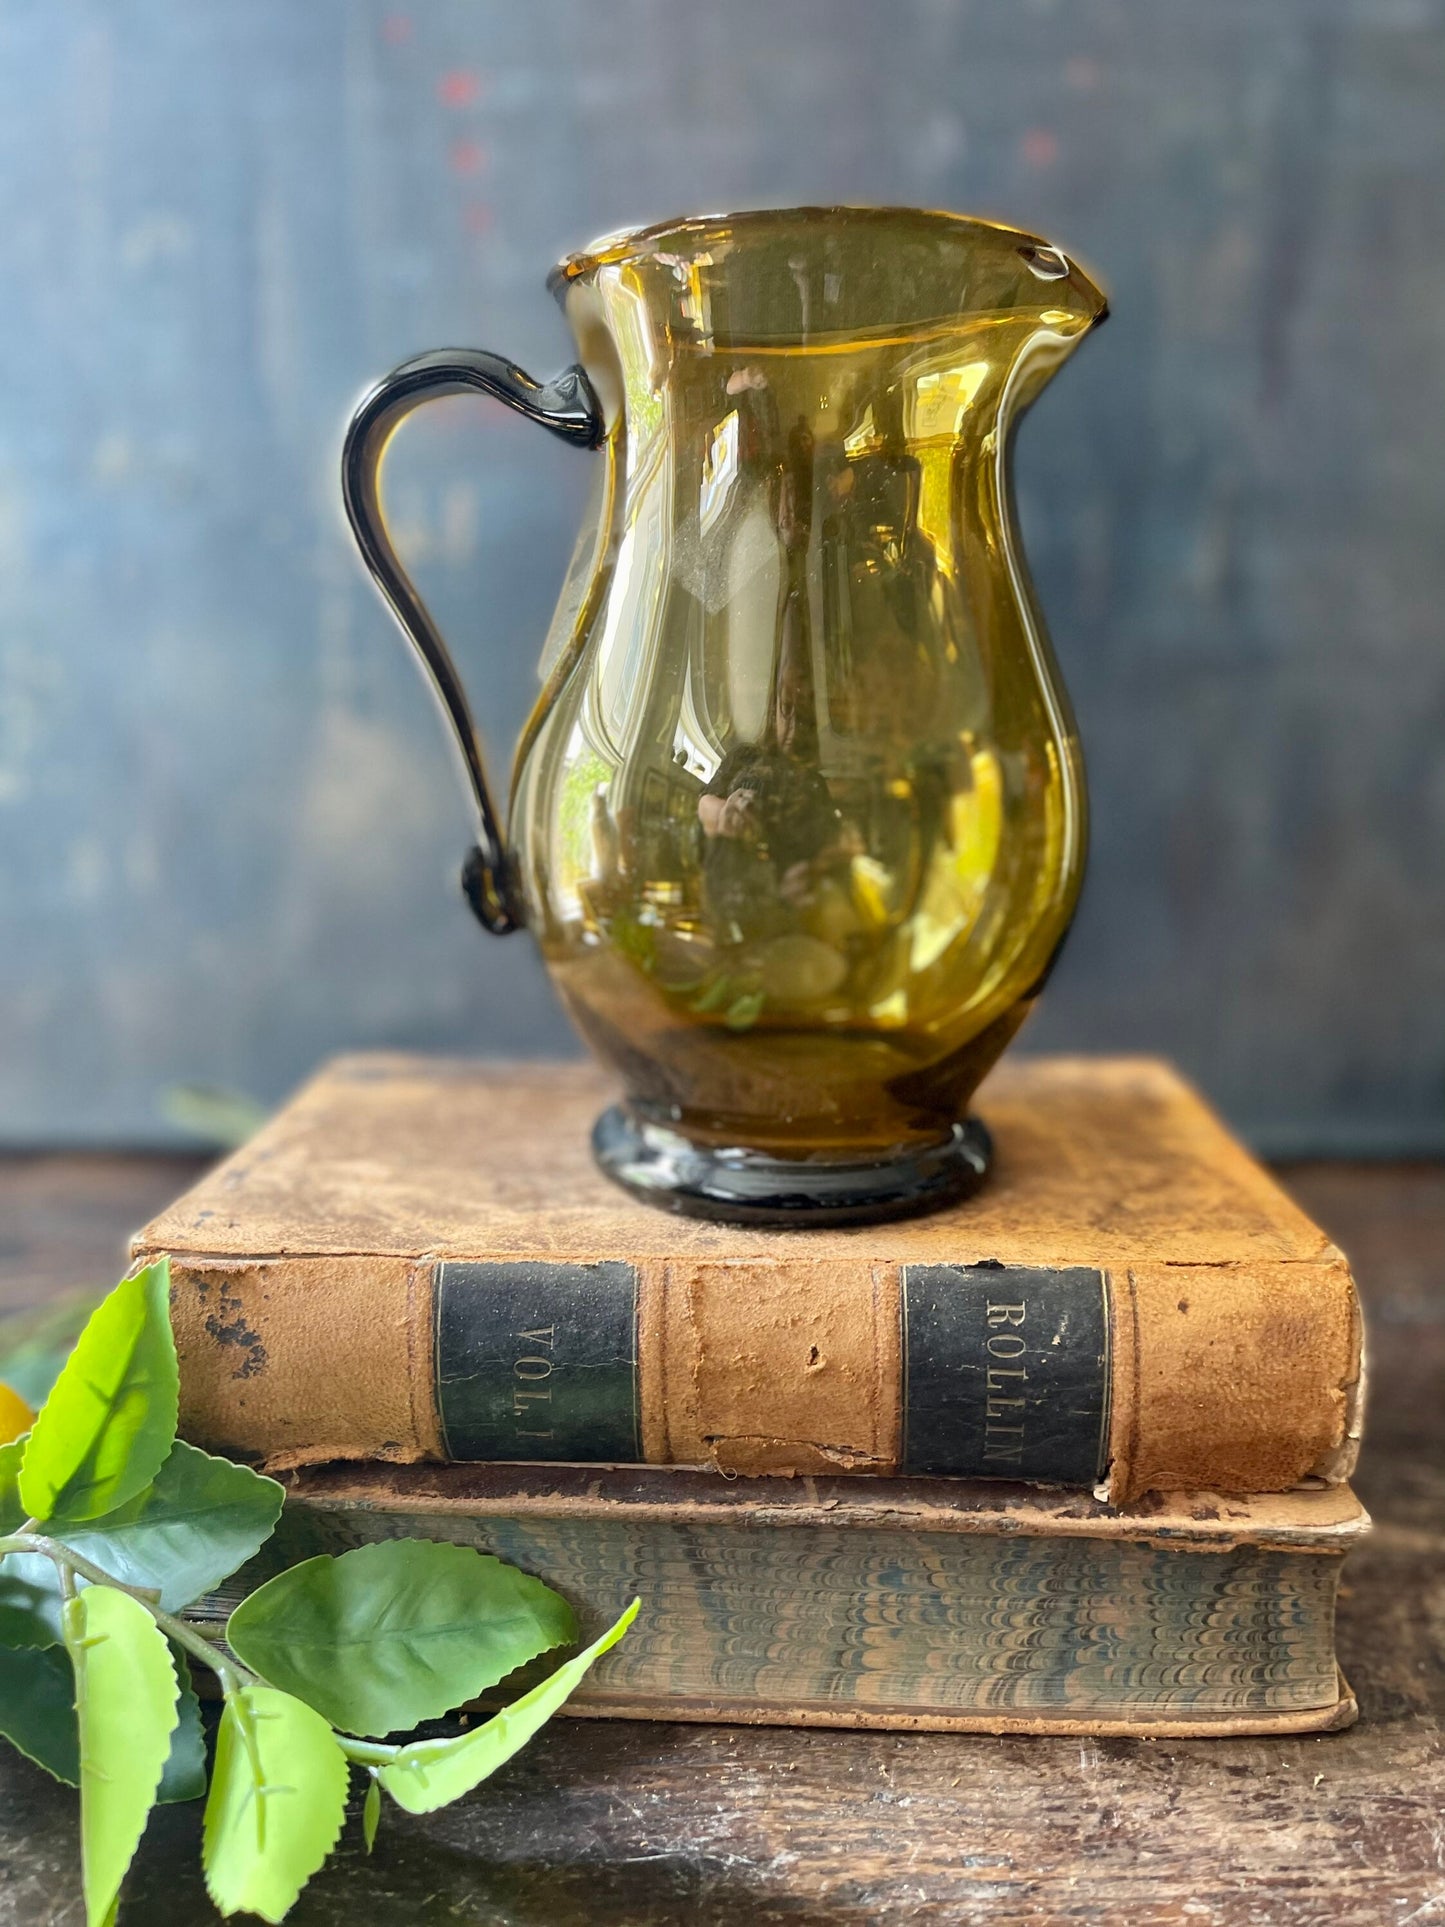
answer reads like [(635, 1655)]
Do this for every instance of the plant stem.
[(231, 1673), (366, 1752)]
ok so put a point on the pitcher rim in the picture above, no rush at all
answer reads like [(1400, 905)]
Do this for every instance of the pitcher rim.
[(632, 243)]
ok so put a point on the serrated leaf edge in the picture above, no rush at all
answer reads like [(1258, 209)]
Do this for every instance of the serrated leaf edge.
[(238, 1706), (436, 1708), (78, 1642), (10, 1739), (84, 1531), (155, 1275), (413, 1760), (186, 1697)]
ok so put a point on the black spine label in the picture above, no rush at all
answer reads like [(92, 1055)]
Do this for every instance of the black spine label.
[(537, 1361), (1006, 1373)]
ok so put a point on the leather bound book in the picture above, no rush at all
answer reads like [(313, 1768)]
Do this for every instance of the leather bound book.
[(416, 1259), (910, 1603)]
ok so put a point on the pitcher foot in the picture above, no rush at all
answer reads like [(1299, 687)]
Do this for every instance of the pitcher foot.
[(736, 1186)]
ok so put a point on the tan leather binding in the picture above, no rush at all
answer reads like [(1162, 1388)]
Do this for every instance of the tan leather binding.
[(303, 1273)]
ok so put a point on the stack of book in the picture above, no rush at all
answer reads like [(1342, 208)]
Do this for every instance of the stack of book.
[(1070, 1456)]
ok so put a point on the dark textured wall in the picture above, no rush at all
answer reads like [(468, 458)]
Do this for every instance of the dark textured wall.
[(229, 824)]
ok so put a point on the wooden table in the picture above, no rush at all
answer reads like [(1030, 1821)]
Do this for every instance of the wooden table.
[(600, 1824)]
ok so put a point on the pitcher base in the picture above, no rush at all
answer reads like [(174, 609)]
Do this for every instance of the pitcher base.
[(749, 1187)]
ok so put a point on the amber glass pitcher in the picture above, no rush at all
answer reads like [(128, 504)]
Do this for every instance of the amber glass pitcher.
[(798, 821)]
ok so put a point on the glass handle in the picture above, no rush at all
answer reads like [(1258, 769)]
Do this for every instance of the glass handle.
[(569, 408)]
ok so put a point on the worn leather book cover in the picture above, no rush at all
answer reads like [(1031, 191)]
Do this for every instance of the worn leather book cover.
[(417, 1260), (912, 1604)]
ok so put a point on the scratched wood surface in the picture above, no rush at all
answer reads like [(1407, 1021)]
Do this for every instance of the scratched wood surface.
[(603, 1825)]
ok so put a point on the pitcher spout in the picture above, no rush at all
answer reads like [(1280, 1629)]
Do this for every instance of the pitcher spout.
[(1059, 327), (1073, 289)]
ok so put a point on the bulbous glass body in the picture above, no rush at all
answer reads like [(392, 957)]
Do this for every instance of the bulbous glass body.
[(799, 819)]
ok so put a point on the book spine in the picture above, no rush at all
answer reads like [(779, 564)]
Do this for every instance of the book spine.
[(1158, 1377)]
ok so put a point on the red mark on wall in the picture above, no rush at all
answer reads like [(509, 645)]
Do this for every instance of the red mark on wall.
[(1039, 147), (459, 88), (466, 157)]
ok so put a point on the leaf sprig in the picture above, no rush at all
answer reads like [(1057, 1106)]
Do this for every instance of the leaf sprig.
[(110, 1527)]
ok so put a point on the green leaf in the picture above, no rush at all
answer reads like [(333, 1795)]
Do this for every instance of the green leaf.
[(29, 1590), (191, 1528), (37, 1710), (110, 1419), (35, 1344), (222, 1117), (432, 1773), (200, 1519), (183, 1777), (398, 1632), (12, 1512), (371, 1812), (125, 1701), (29, 1601), (278, 1797)]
